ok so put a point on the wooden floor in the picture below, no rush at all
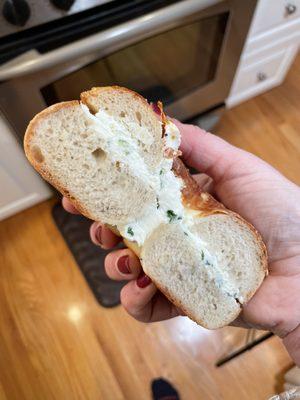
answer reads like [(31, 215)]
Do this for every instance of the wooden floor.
[(269, 125), (57, 343)]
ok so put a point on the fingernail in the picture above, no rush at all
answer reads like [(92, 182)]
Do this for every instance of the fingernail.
[(123, 265), (155, 108), (143, 280), (99, 234)]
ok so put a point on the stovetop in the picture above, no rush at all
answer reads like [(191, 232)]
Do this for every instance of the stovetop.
[(18, 15), (45, 25)]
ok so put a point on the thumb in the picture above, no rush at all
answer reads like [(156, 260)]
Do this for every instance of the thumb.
[(209, 153)]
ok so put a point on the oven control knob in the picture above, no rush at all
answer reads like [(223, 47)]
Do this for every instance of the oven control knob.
[(63, 4), (16, 12)]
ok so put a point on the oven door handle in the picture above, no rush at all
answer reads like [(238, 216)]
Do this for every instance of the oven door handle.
[(106, 41)]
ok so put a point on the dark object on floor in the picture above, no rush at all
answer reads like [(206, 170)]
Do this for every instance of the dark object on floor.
[(89, 258), (243, 349), (163, 390)]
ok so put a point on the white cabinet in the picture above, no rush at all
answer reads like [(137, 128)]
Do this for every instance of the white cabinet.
[(262, 75), (20, 185), (272, 13), (271, 46)]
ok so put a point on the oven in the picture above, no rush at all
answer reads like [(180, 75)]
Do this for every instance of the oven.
[(184, 53)]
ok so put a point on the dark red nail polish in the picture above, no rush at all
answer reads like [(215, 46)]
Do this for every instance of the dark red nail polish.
[(123, 265), (99, 234), (143, 280)]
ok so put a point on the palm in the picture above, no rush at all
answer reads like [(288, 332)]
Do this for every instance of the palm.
[(267, 200)]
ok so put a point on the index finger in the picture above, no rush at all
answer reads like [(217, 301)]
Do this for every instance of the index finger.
[(206, 152), (68, 206)]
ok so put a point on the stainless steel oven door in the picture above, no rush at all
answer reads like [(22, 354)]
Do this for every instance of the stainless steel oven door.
[(22, 93)]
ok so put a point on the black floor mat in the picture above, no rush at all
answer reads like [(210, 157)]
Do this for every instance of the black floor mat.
[(89, 258)]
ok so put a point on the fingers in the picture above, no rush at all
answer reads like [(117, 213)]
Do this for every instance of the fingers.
[(68, 206), (239, 322), (137, 295), (147, 304), (291, 342), (206, 152), (137, 300), (122, 265), (102, 236)]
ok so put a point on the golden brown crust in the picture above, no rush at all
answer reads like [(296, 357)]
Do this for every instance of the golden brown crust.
[(96, 92), (163, 118), (192, 195)]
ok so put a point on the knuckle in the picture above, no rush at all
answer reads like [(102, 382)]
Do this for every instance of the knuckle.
[(140, 313), (128, 306), (108, 266)]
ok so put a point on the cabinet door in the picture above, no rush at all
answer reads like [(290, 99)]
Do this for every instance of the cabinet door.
[(260, 76), (272, 13), (20, 185)]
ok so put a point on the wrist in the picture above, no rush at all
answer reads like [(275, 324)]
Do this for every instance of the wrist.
[(292, 343)]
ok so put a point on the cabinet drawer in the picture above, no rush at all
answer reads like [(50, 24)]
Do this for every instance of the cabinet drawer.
[(259, 53), (270, 13), (282, 34), (259, 73), (264, 74)]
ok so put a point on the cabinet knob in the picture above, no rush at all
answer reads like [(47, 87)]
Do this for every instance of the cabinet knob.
[(261, 76), (290, 9)]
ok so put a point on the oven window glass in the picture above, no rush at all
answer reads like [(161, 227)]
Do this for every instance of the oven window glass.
[(164, 67)]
